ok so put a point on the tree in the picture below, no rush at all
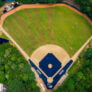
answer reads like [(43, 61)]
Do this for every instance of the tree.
[(15, 72), (88, 54), (85, 6), (79, 76), (1, 2), (39, 1)]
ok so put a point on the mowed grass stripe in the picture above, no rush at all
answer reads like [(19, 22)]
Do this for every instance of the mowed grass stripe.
[(42, 15), (39, 26), (21, 39), (30, 26), (50, 21), (38, 29), (42, 30), (42, 27), (26, 29), (26, 39), (20, 30), (13, 32), (67, 28), (35, 35)]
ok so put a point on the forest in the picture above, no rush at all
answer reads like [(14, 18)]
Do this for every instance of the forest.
[(15, 71), (85, 6), (40, 1), (1, 2)]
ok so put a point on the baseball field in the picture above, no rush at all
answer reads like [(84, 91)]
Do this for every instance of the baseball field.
[(32, 28)]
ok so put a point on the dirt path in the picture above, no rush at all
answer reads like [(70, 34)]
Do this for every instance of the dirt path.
[(24, 6), (74, 58)]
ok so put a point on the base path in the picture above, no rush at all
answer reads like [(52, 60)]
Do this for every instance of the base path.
[(19, 48), (24, 6), (74, 58)]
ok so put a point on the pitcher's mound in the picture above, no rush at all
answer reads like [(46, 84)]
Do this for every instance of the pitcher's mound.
[(42, 51)]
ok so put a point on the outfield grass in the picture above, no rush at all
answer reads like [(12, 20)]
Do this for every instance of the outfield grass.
[(59, 25)]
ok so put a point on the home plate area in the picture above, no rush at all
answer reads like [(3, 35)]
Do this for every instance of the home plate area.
[(50, 62)]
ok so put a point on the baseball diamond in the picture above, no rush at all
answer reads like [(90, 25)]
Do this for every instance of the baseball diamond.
[(50, 63), (50, 37)]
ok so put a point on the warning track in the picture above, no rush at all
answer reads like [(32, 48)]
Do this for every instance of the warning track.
[(24, 6)]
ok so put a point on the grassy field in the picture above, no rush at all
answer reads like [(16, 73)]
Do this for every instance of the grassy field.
[(59, 25)]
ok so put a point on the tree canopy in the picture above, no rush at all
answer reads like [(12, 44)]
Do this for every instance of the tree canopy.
[(39, 1), (1, 2), (85, 6), (15, 72)]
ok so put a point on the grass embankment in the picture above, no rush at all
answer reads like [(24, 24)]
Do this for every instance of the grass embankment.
[(59, 25)]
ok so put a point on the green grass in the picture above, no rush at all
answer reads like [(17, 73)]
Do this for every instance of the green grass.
[(3, 36), (32, 28), (79, 74)]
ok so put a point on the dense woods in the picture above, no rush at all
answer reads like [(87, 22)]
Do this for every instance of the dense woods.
[(15, 72), (85, 6), (39, 1), (80, 75), (1, 2)]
